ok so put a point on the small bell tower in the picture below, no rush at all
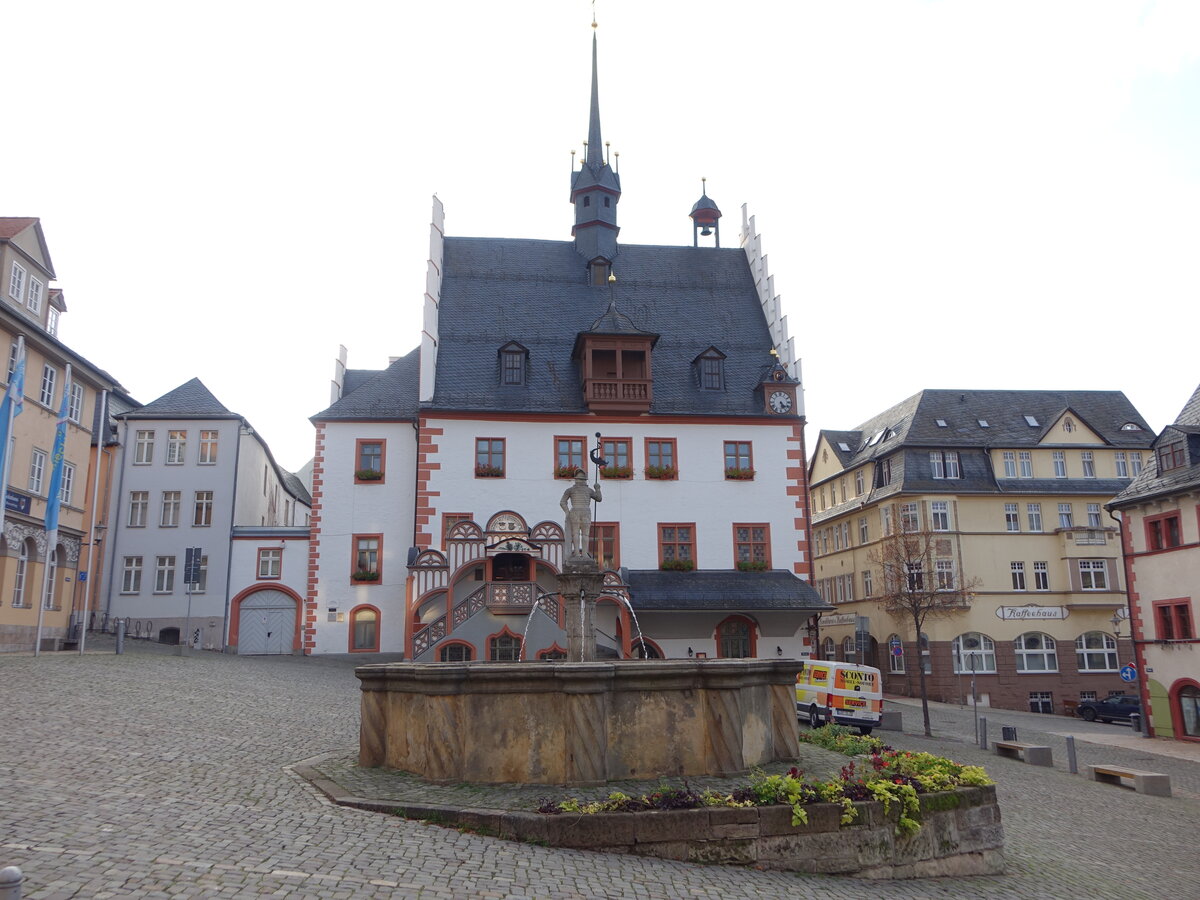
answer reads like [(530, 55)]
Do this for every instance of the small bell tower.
[(595, 192), (705, 217)]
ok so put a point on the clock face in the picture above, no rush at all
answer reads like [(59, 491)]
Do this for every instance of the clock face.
[(780, 401)]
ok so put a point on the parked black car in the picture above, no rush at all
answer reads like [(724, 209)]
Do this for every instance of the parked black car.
[(1120, 706)]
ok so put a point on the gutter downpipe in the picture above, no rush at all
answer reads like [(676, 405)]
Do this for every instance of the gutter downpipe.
[(1138, 658), (237, 457)]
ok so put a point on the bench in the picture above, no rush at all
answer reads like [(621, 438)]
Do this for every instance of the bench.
[(1154, 783), (1034, 754)]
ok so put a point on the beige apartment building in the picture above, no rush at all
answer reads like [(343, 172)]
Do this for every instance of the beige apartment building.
[(1012, 484), (30, 308), (1160, 512)]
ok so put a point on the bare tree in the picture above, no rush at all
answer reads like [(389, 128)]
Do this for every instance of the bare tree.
[(920, 579)]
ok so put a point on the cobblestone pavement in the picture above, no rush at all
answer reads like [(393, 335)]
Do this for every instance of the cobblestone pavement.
[(152, 775)]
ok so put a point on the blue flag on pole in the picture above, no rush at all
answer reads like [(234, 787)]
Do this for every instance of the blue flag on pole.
[(13, 403), (60, 449)]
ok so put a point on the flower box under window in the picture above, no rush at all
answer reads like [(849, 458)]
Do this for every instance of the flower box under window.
[(751, 565), (364, 575), (662, 473), (739, 474), (368, 475), (489, 472), (565, 471), (617, 471), (677, 565)]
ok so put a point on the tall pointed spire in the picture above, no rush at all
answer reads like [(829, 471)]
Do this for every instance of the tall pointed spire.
[(595, 191), (595, 156)]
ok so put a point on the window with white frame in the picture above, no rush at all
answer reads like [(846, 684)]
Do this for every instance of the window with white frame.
[(176, 447), (868, 586), (1093, 575), (12, 360), (52, 321), (837, 538), (1010, 464), (859, 483), (139, 502), (33, 298), (1034, 514), (916, 577), (945, 574), (164, 574), (1066, 518), (50, 600), (974, 652), (1012, 517), (131, 575), (16, 282), (849, 651), (895, 661), (201, 584), (202, 511), (21, 570), (143, 448), (1122, 465), (66, 489), (1135, 463), (170, 509), (270, 562), (828, 649), (49, 378), (943, 464), (885, 518), (1041, 576), (939, 512), (1026, 460), (208, 448), (75, 405), (910, 517), (1096, 651), (1018, 575), (1060, 464), (1035, 652), (1093, 511), (1089, 464), (864, 530), (37, 471)]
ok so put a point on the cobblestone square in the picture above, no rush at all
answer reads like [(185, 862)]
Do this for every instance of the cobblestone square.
[(154, 775)]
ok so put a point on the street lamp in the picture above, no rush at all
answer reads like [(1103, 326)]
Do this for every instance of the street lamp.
[(1116, 623)]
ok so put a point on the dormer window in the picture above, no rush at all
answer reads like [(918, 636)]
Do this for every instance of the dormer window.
[(1131, 426), (710, 368), (1172, 456), (513, 357)]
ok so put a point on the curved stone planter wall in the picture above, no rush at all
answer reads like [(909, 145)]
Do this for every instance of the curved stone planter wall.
[(577, 723)]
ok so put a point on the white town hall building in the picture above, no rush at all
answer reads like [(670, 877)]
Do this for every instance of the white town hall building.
[(436, 522)]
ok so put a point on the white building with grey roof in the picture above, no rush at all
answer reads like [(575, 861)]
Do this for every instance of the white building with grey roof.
[(437, 481)]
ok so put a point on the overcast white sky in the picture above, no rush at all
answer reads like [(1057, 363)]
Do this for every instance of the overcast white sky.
[(958, 194)]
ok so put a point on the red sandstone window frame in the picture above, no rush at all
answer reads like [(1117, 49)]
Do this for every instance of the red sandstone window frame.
[(736, 455), (751, 543), (489, 455), (609, 445), (674, 542), (559, 467), (278, 556), (1173, 620), (504, 632), (359, 443), (605, 534), (446, 645), (752, 636), (656, 456), (1158, 532), (353, 621), (355, 567)]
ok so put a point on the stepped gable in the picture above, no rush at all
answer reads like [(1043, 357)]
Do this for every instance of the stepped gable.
[(387, 394)]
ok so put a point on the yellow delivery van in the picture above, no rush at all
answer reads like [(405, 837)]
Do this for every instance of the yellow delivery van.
[(840, 692)]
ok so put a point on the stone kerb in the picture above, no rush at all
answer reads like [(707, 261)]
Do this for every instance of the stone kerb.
[(960, 834)]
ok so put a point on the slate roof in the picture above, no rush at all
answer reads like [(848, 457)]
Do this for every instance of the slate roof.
[(294, 485), (389, 393), (777, 589), (1149, 483), (191, 400), (496, 290)]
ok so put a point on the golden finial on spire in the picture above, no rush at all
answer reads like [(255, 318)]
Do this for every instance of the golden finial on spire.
[(775, 353), (612, 279)]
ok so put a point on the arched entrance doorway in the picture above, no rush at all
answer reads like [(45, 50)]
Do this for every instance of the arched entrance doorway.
[(266, 623)]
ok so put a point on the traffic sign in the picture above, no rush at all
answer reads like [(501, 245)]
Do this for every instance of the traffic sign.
[(1129, 673), (896, 646), (191, 565)]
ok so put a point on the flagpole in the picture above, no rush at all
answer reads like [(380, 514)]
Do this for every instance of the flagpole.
[(52, 505), (101, 430)]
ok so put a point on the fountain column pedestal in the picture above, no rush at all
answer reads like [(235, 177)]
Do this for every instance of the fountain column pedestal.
[(579, 585)]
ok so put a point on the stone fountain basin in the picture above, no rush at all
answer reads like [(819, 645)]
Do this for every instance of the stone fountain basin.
[(579, 723)]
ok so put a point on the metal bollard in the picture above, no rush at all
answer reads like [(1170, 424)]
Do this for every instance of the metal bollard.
[(1072, 763), (983, 732), (1008, 732), (1135, 722), (11, 880), (120, 635)]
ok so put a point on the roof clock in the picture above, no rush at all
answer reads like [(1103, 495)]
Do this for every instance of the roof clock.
[(779, 390)]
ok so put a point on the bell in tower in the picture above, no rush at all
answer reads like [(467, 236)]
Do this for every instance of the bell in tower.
[(705, 218)]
